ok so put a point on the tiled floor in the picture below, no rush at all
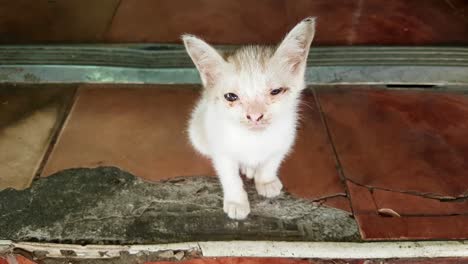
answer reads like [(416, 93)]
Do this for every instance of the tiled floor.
[(340, 22), (395, 158), (143, 131), (404, 151)]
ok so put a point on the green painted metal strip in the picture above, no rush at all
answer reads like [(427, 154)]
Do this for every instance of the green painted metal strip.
[(169, 64)]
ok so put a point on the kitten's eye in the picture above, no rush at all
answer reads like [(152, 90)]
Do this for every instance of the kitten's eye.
[(276, 91), (231, 97)]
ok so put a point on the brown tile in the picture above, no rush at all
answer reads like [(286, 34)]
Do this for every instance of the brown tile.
[(398, 22), (29, 117), (141, 130), (402, 141), (403, 22), (310, 171), (426, 261), (220, 22), (376, 227), (361, 199), (334, 18), (227, 260), (41, 21), (406, 204)]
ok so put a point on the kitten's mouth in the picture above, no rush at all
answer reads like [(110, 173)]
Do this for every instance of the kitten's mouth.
[(257, 127)]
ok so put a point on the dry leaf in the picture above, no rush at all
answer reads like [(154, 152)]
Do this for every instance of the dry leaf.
[(388, 212)]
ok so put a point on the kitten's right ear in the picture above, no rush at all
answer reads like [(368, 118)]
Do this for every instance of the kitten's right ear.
[(207, 60)]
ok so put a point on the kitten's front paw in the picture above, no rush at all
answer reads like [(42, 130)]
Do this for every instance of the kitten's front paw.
[(235, 210), (247, 172), (269, 189)]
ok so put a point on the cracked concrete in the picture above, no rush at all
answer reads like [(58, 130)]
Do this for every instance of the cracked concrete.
[(108, 205)]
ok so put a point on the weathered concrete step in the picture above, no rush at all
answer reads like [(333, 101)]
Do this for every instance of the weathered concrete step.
[(107, 205)]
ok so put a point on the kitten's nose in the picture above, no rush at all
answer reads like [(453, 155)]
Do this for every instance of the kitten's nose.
[(255, 117)]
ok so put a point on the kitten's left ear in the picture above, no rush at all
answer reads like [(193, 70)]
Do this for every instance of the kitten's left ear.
[(292, 53), (207, 60)]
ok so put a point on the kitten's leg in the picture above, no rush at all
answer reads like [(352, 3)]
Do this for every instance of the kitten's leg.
[(267, 182), (247, 171), (236, 202)]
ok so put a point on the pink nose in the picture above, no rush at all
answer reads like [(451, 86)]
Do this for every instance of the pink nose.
[(255, 117)]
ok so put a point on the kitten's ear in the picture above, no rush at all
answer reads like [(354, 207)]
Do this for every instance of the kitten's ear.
[(207, 60), (292, 53)]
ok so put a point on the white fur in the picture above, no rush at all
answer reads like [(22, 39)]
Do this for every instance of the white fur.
[(221, 130)]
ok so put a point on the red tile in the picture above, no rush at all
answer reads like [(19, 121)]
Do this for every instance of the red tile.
[(310, 171), (238, 261), (398, 22), (334, 18), (406, 204), (402, 141), (426, 261), (361, 198), (221, 22), (401, 22), (55, 21), (141, 130), (17, 259), (376, 227)]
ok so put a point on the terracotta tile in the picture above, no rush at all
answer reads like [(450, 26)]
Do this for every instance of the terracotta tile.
[(227, 260), (403, 141), (221, 22), (361, 199), (398, 22), (141, 130), (426, 261), (403, 22), (334, 18), (310, 171), (55, 21), (400, 140), (375, 227), (29, 117), (15, 259), (406, 204)]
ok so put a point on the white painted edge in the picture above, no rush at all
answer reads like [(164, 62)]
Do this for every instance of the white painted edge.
[(336, 250), (322, 250), (5, 246)]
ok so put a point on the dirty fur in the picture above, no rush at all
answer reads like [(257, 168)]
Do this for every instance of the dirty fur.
[(246, 118)]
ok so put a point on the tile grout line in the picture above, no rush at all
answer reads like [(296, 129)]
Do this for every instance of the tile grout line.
[(58, 130), (338, 164)]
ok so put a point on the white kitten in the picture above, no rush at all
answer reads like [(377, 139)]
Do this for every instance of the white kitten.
[(246, 118)]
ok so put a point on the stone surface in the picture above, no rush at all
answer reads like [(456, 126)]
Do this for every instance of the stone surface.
[(107, 205), (403, 151), (29, 117)]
